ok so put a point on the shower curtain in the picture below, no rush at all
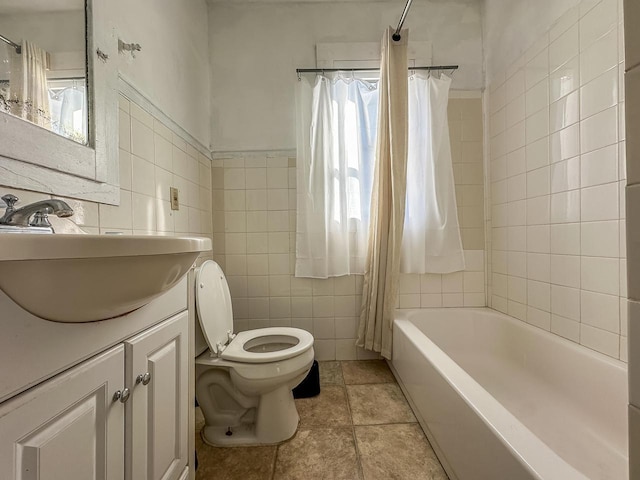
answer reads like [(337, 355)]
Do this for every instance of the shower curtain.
[(387, 201), (336, 120), (431, 242), (29, 96)]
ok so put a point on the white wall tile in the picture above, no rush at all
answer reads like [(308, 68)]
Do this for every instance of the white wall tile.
[(564, 144), (599, 340), (234, 179), (565, 239), (600, 239), (142, 176), (597, 22), (599, 94), (564, 47), (599, 167), (564, 112), (539, 318), (565, 302), (601, 311), (565, 175), (537, 126), (599, 203), (565, 327), (565, 207), (599, 57), (537, 154), (142, 140), (600, 274), (143, 212), (599, 130), (565, 79), (565, 270), (539, 267)]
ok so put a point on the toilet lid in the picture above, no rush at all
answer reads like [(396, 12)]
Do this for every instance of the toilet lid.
[(213, 302)]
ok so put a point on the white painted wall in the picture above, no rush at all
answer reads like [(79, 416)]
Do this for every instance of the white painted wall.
[(510, 27), (172, 69), (256, 47), (44, 29)]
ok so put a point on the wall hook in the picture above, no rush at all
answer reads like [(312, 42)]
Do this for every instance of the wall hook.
[(129, 47), (102, 56)]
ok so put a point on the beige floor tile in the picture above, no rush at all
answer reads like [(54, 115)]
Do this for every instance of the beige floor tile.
[(318, 453), (399, 452), (366, 371), (330, 373), (378, 404), (234, 463), (329, 409)]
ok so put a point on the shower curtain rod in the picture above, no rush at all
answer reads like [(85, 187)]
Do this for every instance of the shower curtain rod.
[(323, 70), (396, 36), (12, 44)]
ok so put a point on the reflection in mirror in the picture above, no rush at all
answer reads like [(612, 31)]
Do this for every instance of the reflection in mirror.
[(43, 64)]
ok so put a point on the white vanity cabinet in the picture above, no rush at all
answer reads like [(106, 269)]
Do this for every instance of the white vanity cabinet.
[(68, 427), (96, 420), (157, 412)]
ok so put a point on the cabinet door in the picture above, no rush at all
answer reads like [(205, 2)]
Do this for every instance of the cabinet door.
[(69, 427), (157, 420)]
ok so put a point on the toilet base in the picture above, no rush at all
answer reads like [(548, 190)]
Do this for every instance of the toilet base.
[(276, 421)]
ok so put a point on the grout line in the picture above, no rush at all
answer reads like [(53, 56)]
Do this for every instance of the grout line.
[(275, 459), (353, 427)]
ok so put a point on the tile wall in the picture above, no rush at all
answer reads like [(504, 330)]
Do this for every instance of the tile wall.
[(152, 158), (556, 179), (632, 81), (254, 215)]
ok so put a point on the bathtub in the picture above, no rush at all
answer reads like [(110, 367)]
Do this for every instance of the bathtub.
[(502, 400)]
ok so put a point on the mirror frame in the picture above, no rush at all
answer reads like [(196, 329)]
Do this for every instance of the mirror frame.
[(33, 158)]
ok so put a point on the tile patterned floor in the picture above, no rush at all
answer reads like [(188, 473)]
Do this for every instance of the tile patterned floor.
[(360, 427)]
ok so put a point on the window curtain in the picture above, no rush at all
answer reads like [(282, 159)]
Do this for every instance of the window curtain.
[(431, 241), (380, 286), (29, 96), (336, 119)]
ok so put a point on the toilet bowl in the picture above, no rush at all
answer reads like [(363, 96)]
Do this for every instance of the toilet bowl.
[(244, 380)]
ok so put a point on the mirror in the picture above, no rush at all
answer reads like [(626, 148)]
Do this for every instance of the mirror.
[(71, 149), (43, 67)]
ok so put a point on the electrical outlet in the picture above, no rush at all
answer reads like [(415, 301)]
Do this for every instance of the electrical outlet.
[(175, 202)]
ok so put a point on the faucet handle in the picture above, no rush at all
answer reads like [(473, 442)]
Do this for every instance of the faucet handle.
[(10, 200), (40, 219)]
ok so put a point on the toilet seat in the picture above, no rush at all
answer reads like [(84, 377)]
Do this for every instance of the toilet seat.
[(215, 314), (237, 351)]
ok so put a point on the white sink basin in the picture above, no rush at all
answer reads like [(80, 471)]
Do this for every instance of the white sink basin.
[(85, 278)]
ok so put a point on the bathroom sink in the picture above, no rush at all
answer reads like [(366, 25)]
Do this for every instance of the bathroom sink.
[(85, 278)]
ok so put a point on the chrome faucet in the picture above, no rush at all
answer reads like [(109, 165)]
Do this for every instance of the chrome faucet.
[(21, 218)]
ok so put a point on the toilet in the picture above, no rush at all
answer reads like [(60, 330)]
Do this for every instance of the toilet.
[(244, 380)]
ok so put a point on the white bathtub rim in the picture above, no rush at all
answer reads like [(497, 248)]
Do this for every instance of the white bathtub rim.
[(507, 428), (405, 314)]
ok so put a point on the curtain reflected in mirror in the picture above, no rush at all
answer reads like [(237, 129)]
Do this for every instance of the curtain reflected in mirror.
[(43, 65)]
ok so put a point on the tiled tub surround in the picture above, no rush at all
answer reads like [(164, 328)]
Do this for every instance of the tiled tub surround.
[(152, 159), (556, 182), (254, 215), (632, 85)]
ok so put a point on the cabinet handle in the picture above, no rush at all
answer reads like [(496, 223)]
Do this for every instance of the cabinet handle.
[(143, 378), (123, 395)]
